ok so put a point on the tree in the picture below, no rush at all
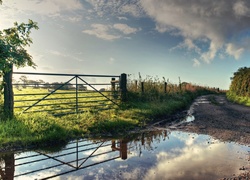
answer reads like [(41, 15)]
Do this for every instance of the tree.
[(12, 52), (240, 84), (24, 79), (81, 87)]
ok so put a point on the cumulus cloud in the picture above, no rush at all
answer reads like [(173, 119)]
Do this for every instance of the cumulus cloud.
[(190, 158), (101, 31), (219, 23), (232, 50), (240, 8), (124, 28), (106, 32), (188, 44)]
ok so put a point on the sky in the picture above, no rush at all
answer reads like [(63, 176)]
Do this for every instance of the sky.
[(199, 41)]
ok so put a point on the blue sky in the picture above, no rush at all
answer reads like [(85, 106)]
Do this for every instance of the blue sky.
[(202, 42)]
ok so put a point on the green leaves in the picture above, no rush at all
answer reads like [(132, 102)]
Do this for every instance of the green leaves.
[(240, 84), (12, 46)]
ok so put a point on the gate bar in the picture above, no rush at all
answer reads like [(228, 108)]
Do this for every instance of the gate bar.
[(58, 74)]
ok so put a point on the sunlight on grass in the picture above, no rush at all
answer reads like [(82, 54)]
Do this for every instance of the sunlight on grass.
[(238, 99), (141, 108)]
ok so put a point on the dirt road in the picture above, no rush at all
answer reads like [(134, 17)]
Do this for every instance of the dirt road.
[(221, 119)]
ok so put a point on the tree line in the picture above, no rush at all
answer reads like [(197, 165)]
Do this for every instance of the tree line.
[(24, 82)]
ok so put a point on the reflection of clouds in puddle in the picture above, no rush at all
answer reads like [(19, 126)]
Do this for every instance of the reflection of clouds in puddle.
[(40, 175), (189, 141), (193, 161), (123, 166), (181, 156), (135, 174)]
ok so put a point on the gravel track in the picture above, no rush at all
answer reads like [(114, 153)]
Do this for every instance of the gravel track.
[(214, 115)]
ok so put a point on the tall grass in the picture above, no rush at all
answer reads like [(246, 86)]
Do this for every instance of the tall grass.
[(160, 98)]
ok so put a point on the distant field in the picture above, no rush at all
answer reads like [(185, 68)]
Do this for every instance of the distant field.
[(61, 101)]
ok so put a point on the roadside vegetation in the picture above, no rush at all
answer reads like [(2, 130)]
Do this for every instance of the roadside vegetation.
[(239, 91), (148, 100)]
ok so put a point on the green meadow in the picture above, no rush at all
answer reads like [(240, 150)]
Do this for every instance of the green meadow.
[(61, 101)]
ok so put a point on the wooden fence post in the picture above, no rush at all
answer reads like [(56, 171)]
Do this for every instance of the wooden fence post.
[(136, 85), (142, 87), (76, 94), (165, 87), (123, 87), (113, 92)]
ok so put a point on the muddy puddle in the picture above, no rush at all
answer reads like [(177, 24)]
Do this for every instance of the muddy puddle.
[(159, 154)]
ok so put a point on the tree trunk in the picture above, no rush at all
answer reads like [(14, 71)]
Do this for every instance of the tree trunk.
[(8, 94)]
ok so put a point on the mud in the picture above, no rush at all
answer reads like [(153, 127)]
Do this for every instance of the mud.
[(214, 115)]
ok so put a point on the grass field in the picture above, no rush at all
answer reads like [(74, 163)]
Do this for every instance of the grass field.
[(43, 128), (61, 101)]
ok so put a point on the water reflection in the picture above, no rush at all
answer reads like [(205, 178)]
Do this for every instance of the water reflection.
[(8, 171), (148, 155)]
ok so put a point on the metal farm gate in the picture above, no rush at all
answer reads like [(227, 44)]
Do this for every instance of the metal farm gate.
[(61, 94)]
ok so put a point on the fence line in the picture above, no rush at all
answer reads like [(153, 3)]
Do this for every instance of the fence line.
[(67, 97)]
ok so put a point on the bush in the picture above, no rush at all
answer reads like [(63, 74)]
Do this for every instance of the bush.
[(240, 84), (239, 90)]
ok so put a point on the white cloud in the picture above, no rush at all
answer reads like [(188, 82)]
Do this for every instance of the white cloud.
[(240, 8), (232, 50), (125, 28), (123, 18), (101, 31), (191, 162), (218, 22), (75, 18), (196, 62), (211, 53), (188, 44), (106, 32), (65, 55)]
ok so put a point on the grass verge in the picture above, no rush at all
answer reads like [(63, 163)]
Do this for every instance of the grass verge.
[(238, 99)]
